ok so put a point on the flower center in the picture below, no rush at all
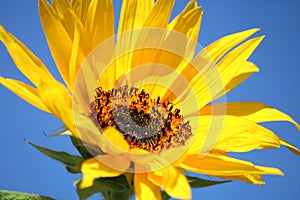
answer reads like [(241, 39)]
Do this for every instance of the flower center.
[(145, 123)]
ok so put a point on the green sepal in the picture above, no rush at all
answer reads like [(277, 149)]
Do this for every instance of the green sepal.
[(71, 162), (164, 195), (196, 182), (107, 186), (12, 195), (125, 195), (77, 143)]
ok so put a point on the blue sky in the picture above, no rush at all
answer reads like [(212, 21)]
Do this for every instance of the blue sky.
[(277, 84)]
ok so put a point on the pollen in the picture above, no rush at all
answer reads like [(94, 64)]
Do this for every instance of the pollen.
[(145, 122)]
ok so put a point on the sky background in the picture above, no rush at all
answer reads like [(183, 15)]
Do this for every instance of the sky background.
[(22, 168)]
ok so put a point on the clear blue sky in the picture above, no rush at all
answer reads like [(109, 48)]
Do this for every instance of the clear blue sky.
[(22, 168)]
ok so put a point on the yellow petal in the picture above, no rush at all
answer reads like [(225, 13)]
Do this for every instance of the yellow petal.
[(76, 58), (291, 147), (100, 14), (255, 111), (58, 39), (64, 11), (144, 189), (243, 135), (71, 21), (60, 6), (24, 59), (249, 178), (93, 169), (134, 13), (188, 21), (173, 181), (246, 69), (191, 5), (81, 7), (230, 64), (160, 14), (59, 101), (24, 91), (235, 135), (212, 83), (217, 49), (116, 138), (89, 133), (159, 17), (208, 86), (100, 21), (133, 16), (226, 167)]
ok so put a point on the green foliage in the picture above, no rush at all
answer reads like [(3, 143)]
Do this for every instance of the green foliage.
[(11, 195), (196, 182), (165, 196), (81, 148), (71, 162), (111, 188)]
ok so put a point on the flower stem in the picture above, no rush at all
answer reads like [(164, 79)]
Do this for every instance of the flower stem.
[(125, 195)]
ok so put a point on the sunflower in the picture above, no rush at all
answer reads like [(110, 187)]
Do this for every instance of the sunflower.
[(141, 100)]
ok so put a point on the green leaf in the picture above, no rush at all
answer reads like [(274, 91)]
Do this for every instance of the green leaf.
[(164, 195), (196, 182), (11, 195), (125, 195), (72, 162), (104, 185), (81, 148)]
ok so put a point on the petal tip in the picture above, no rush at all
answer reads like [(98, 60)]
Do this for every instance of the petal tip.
[(252, 31)]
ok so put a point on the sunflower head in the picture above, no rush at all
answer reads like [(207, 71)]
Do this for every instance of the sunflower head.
[(152, 105), (147, 102)]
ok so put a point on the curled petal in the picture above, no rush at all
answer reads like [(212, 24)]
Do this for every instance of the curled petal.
[(144, 188), (93, 169), (255, 111), (234, 135), (173, 181), (226, 167)]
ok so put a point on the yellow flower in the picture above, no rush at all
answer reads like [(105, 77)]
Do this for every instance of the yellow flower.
[(158, 121)]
